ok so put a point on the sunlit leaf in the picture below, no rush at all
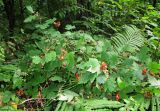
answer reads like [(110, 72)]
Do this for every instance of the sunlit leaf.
[(7, 96), (50, 56), (30, 9), (153, 81), (94, 66), (36, 59)]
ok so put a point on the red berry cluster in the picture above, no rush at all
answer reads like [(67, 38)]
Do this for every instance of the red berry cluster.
[(77, 76), (103, 66), (144, 71), (118, 97)]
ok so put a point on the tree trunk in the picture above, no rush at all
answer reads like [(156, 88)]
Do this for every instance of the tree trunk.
[(9, 9), (154, 3), (21, 9)]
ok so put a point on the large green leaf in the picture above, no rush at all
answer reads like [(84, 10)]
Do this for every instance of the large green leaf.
[(102, 103), (67, 95), (70, 60), (17, 81), (86, 78), (128, 40), (50, 56), (7, 96), (93, 65), (154, 67), (109, 85), (36, 59), (5, 77), (143, 54)]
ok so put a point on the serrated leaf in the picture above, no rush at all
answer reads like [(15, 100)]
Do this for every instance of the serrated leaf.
[(99, 46), (8, 67), (70, 60), (43, 26), (36, 59), (120, 83), (153, 81), (30, 18), (56, 78), (7, 96), (110, 85), (5, 77), (17, 81), (51, 91), (142, 55), (154, 67), (46, 24), (94, 66), (67, 95), (69, 27), (102, 103), (87, 77), (101, 79), (51, 56)]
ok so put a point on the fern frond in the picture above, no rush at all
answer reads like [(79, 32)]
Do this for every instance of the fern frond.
[(102, 103), (131, 38)]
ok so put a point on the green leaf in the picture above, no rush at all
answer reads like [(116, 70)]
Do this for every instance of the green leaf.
[(153, 81), (110, 85), (69, 27), (50, 56), (50, 21), (7, 96), (1, 3), (102, 103), (86, 78), (17, 81), (51, 91), (70, 60), (143, 54), (8, 67), (94, 66), (5, 77), (121, 84), (154, 67), (101, 79), (30, 18), (43, 26), (34, 52), (137, 71), (99, 46), (36, 59), (131, 37), (46, 25), (30, 9), (56, 78), (67, 95), (50, 66), (111, 57)]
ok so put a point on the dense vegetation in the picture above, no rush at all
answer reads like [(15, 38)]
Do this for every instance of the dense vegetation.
[(80, 55)]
